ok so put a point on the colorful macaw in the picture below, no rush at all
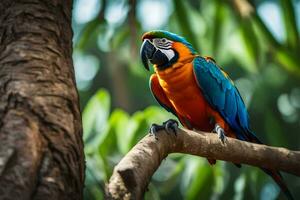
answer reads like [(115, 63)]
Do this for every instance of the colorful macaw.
[(197, 91)]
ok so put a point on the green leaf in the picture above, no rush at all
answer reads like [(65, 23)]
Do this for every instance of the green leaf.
[(268, 36), (152, 193), (155, 114), (169, 176), (288, 61), (93, 192), (219, 178), (218, 22), (273, 130), (124, 127), (86, 33), (109, 137), (200, 188), (120, 36), (167, 169), (94, 188), (292, 35), (239, 187), (108, 141), (181, 10), (197, 178), (250, 41), (136, 130), (95, 114)]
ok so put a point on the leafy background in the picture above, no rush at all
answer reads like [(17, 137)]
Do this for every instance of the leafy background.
[(257, 42)]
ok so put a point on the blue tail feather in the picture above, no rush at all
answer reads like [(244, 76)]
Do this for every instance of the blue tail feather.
[(251, 137)]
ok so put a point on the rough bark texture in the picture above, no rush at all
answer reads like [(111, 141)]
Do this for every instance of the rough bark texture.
[(132, 175), (41, 150)]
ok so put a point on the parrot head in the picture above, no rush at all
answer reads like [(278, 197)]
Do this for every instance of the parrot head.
[(164, 49)]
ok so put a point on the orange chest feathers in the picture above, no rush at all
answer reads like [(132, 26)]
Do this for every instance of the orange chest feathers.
[(181, 89)]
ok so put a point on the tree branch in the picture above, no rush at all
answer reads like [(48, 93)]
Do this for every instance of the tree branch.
[(132, 175)]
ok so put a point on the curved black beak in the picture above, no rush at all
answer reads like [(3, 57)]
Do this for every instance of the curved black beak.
[(147, 51), (150, 53)]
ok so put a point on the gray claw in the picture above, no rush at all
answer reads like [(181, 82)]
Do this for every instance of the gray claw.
[(169, 126), (154, 129), (221, 133)]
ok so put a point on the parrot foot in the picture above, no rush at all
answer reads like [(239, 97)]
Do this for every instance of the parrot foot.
[(221, 133), (170, 126)]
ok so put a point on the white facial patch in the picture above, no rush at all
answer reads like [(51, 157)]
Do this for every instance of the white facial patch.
[(169, 53)]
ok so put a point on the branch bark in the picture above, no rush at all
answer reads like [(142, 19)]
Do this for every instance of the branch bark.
[(133, 173), (41, 149)]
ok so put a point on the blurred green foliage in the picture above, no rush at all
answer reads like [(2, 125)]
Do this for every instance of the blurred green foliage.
[(257, 42)]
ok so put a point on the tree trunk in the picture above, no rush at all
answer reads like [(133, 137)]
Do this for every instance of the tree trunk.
[(41, 149)]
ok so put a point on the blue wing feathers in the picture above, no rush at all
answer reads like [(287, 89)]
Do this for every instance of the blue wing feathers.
[(230, 106), (242, 114), (222, 95)]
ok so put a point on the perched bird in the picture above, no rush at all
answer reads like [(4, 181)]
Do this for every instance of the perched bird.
[(197, 91)]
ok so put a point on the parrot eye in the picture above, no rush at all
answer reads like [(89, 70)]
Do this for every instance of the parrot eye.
[(162, 43)]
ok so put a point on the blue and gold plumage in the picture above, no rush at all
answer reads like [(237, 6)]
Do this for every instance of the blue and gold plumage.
[(195, 89)]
